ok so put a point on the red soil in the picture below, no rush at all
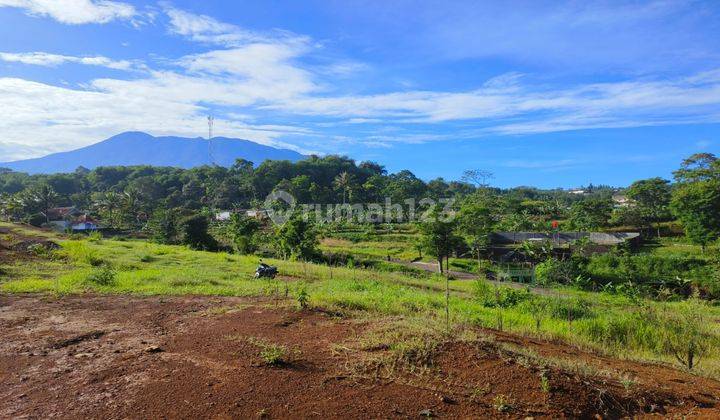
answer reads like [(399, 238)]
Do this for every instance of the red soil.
[(197, 357)]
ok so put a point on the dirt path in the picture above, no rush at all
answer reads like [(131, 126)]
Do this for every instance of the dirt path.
[(198, 357), (462, 275)]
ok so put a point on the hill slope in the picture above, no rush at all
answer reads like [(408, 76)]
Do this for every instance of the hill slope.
[(136, 148)]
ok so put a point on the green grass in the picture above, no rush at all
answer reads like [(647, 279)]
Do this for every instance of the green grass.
[(678, 247), (609, 323), (390, 245)]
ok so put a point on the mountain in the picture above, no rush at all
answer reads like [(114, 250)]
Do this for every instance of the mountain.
[(136, 148)]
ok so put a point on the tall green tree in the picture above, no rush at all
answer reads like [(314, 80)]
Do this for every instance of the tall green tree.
[(590, 214), (697, 205), (696, 198), (476, 220), (297, 239), (243, 232), (439, 238), (344, 182), (652, 198), (41, 197), (194, 233)]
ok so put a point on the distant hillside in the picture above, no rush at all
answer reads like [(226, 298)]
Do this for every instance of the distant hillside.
[(136, 148)]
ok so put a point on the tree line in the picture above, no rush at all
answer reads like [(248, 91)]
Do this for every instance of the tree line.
[(137, 198)]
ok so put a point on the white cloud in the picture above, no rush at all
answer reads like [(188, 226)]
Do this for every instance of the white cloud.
[(75, 12), (206, 29), (45, 118), (264, 75), (51, 60), (512, 108)]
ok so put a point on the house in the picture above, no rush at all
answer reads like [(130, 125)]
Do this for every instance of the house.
[(224, 215), (621, 200), (85, 223), (504, 245), (562, 238)]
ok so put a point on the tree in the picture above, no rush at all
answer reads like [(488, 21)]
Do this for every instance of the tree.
[(696, 199), (163, 227), (243, 231), (685, 332), (438, 235), (697, 205), (652, 198), (344, 182), (590, 214), (41, 197), (194, 233), (698, 167), (476, 221), (479, 177), (297, 239), (439, 240)]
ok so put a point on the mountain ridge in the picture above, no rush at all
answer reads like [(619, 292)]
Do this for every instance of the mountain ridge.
[(133, 148)]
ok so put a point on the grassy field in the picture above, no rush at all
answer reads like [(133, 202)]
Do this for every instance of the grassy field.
[(612, 324)]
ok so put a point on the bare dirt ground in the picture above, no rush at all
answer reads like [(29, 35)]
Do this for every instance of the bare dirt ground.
[(15, 246), (196, 357)]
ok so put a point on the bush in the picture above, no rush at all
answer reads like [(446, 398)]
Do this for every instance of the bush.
[(163, 227), (104, 276), (272, 354), (686, 335), (297, 239), (499, 297), (194, 232), (95, 236), (553, 271), (303, 297), (243, 232), (37, 219)]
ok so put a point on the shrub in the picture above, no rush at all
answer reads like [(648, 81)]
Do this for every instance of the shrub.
[(79, 251), (553, 271), (104, 276), (303, 297), (194, 232), (537, 307), (499, 297), (163, 227), (95, 236), (243, 231), (37, 219), (271, 354), (685, 332)]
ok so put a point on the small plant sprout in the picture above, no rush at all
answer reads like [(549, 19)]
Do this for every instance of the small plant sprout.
[(627, 382), (303, 297), (502, 403), (544, 382), (270, 353)]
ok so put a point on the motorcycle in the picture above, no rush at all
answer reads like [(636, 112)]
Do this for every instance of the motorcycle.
[(266, 271)]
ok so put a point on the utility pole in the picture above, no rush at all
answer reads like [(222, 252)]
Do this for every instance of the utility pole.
[(211, 123)]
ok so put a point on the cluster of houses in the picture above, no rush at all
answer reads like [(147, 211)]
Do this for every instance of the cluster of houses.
[(71, 219)]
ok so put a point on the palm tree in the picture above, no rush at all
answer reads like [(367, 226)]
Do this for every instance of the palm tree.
[(10, 207), (344, 182), (42, 197)]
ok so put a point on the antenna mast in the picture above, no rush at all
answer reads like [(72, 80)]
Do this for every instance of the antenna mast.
[(211, 123)]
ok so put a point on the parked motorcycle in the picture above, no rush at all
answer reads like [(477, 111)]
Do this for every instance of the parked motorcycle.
[(266, 271)]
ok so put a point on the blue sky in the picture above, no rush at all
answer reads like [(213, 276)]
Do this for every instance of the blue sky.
[(541, 93)]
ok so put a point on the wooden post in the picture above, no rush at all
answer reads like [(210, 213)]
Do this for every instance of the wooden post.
[(447, 303)]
